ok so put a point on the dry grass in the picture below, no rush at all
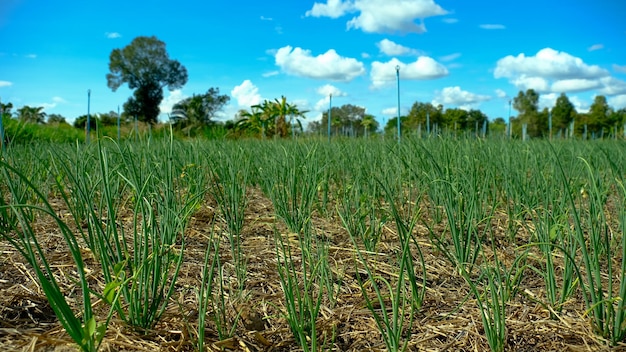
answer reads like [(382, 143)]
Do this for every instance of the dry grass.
[(448, 321)]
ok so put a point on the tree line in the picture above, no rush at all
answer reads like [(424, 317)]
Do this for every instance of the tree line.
[(144, 65)]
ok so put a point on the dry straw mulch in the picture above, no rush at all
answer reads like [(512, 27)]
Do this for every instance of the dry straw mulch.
[(447, 321)]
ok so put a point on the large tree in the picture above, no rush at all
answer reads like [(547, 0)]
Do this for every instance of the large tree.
[(599, 116), (145, 65), (421, 113), (347, 119), (527, 104), (563, 113)]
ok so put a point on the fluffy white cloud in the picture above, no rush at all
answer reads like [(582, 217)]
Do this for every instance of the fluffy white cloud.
[(612, 86), (390, 111), (390, 48), (423, 68), (246, 94), (548, 100), (501, 94), (619, 69), (547, 63), (380, 16), (172, 98), (524, 82), (5, 84), (554, 71), (112, 35), (618, 101), (329, 89), (492, 26), (326, 91), (455, 96), (55, 101), (580, 105), (330, 65), (332, 9), (575, 85), (595, 47)]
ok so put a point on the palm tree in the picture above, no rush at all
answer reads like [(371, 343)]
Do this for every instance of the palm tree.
[(268, 114), (251, 121), (188, 114), (368, 122), (295, 113), (281, 110), (31, 114)]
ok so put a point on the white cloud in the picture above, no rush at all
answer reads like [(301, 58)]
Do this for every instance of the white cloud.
[(55, 101), (5, 84), (450, 57), (547, 63), (112, 35), (246, 94), (595, 47), (455, 96), (270, 74), (548, 100), (383, 73), (612, 86), (380, 16), (263, 18), (329, 89), (618, 101), (31, 56), (580, 105), (330, 65), (332, 9), (450, 20), (390, 111), (365, 55), (555, 71), (525, 82), (619, 69), (390, 48), (575, 85), (172, 98), (326, 91), (492, 26), (501, 94)]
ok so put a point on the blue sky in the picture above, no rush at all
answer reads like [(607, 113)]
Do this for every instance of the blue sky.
[(469, 54)]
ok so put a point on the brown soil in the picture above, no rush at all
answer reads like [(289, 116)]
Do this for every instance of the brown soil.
[(448, 320)]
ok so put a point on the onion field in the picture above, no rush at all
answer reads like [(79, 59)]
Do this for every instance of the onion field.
[(433, 244)]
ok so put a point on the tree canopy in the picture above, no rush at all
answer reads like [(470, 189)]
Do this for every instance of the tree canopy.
[(31, 114), (146, 67), (346, 120), (198, 110)]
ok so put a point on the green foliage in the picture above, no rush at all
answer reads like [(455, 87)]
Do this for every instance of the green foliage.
[(56, 119), (197, 111), (346, 120), (527, 104), (270, 119), (563, 113), (145, 65), (30, 114)]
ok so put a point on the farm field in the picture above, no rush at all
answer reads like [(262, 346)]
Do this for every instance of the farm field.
[(353, 245)]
